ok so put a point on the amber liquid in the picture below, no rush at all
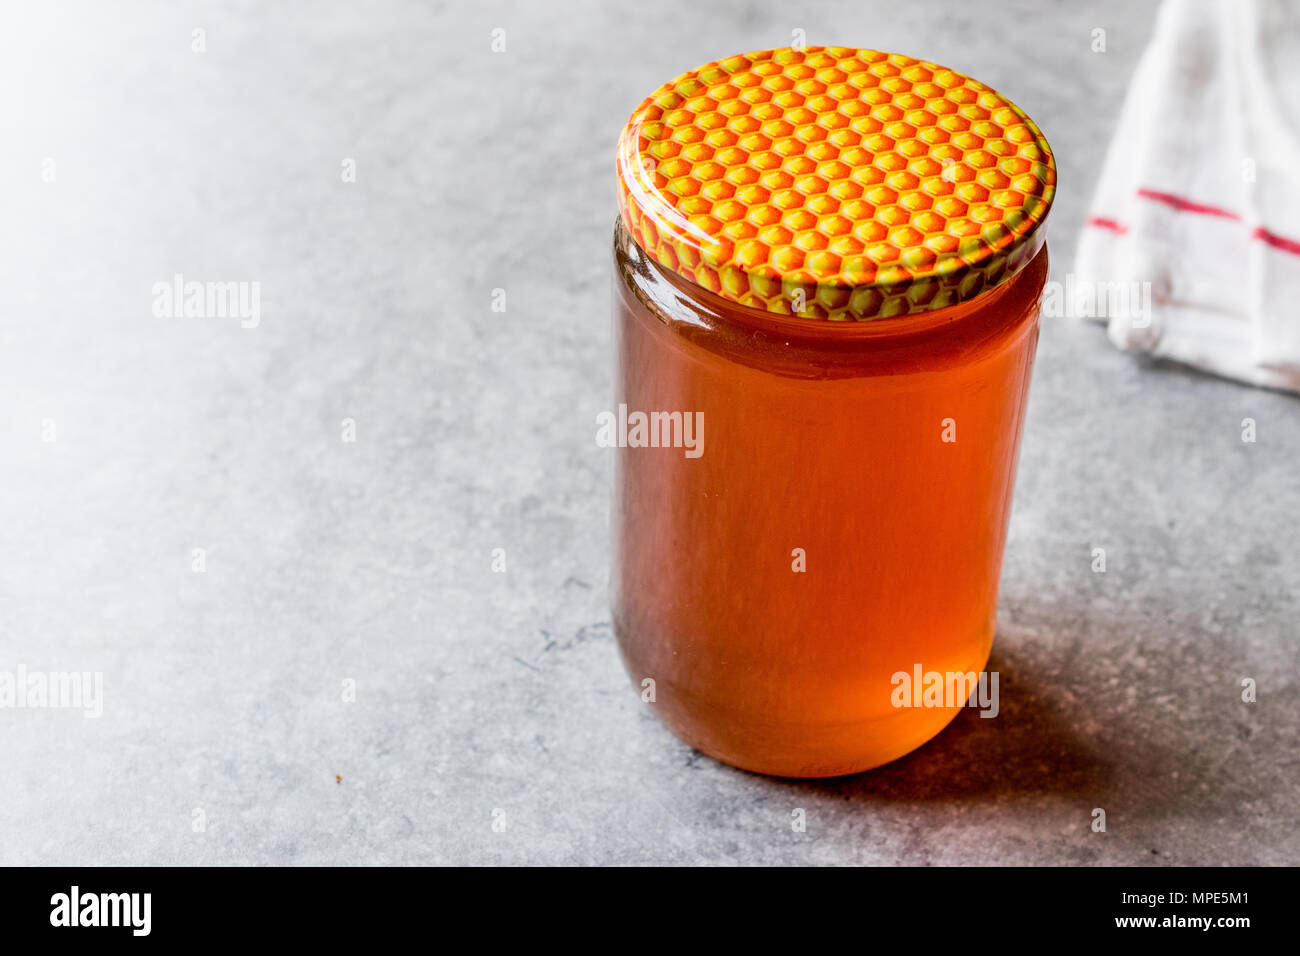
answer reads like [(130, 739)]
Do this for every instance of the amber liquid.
[(826, 440)]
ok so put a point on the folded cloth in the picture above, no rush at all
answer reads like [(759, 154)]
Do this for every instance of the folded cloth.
[(1196, 219)]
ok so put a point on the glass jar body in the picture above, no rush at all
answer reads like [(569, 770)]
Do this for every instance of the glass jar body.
[(829, 514)]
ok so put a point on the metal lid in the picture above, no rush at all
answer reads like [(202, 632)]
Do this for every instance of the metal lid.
[(835, 183)]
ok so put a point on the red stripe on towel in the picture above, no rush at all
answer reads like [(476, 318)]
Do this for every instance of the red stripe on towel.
[(1277, 242), (1186, 205), (1103, 223)]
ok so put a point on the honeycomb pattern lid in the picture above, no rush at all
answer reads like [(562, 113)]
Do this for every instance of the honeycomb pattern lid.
[(835, 183)]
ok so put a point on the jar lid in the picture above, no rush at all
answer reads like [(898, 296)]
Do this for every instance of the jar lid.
[(835, 183)]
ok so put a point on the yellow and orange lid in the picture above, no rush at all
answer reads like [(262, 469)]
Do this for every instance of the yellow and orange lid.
[(835, 183)]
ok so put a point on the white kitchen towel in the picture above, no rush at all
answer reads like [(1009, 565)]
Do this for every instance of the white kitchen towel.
[(1192, 248)]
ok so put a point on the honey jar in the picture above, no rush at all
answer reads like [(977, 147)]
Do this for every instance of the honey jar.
[(828, 265)]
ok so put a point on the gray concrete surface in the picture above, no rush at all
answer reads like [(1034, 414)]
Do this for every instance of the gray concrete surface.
[(130, 440)]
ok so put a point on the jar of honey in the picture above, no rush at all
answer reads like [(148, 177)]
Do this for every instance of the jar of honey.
[(828, 263)]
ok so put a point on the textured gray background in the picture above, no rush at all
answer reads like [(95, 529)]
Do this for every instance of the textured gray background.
[(371, 561)]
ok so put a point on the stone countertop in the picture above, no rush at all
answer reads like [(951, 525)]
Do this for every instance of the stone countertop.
[(136, 449)]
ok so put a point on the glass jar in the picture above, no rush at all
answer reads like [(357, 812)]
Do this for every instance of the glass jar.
[(816, 454)]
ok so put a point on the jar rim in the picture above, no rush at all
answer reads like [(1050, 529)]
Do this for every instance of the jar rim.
[(757, 319)]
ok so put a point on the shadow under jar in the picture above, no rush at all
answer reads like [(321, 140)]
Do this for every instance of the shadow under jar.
[(823, 350)]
